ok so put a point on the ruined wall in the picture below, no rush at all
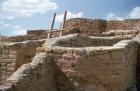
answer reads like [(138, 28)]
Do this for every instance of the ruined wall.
[(53, 33), (26, 51), (77, 40), (7, 62), (38, 32), (31, 35), (89, 26), (86, 26), (77, 68), (110, 68), (81, 25), (13, 55), (34, 76), (128, 24), (78, 25), (22, 38)]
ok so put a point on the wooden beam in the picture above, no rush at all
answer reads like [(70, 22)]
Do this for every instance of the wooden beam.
[(64, 20), (52, 24)]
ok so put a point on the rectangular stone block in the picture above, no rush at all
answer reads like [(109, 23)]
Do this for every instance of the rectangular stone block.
[(12, 56)]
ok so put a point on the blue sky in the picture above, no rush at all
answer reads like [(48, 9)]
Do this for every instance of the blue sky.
[(17, 16)]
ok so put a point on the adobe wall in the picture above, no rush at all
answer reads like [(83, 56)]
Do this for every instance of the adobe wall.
[(99, 68), (78, 40), (21, 38), (7, 62), (89, 26), (62, 65), (31, 35), (128, 24), (53, 33), (38, 32), (85, 26), (34, 76), (15, 54)]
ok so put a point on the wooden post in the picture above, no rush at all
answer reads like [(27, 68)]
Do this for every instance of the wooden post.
[(52, 24), (63, 23), (64, 20)]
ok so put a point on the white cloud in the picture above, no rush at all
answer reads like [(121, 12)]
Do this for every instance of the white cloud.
[(20, 32), (16, 30), (4, 25), (27, 7), (60, 17), (113, 16), (135, 13), (17, 27), (2, 17)]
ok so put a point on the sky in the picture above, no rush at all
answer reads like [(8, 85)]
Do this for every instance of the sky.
[(18, 16)]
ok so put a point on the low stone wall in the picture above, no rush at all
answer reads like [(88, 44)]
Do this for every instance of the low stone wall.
[(15, 54), (78, 40), (22, 38), (89, 26), (120, 32), (34, 76), (62, 65), (100, 68), (86, 26), (37, 32), (128, 24), (31, 35), (7, 62)]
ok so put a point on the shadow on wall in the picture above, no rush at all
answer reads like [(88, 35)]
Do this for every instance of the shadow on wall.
[(138, 68), (62, 82)]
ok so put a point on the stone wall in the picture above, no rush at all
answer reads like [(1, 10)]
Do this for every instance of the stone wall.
[(100, 68), (62, 65), (31, 35), (86, 26), (78, 25), (36, 32), (7, 62), (34, 76), (128, 24), (21, 38), (89, 26), (13, 55), (78, 40)]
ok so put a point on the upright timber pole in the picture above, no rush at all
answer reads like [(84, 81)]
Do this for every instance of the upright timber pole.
[(63, 24), (52, 24), (64, 20)]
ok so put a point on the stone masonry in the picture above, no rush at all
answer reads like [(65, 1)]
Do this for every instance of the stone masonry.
[(91, 55), (93, 68), (15, 54)]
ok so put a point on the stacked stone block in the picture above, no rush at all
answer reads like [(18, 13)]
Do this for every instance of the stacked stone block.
[(89, 26), (76, 63), (99, 68), (7, 62), (13, 55), (85, 26), (34, 76)]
